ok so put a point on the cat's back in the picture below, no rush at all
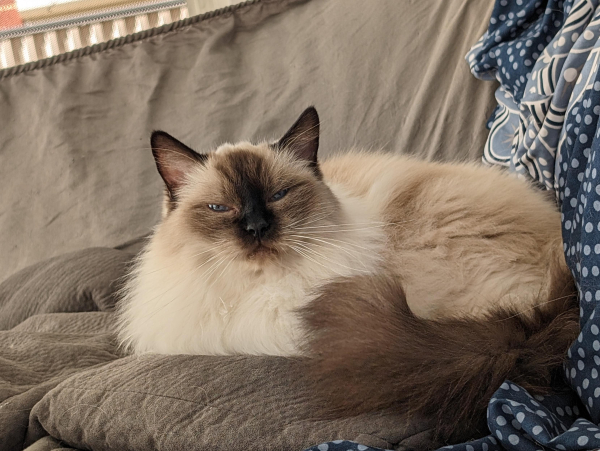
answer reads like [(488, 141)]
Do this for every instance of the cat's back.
[(460, 233), (437, 192)]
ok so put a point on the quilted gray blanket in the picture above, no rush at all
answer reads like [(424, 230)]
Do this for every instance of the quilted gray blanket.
[(65, 385)]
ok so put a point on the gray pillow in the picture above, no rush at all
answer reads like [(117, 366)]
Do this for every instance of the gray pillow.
[(205, 403)]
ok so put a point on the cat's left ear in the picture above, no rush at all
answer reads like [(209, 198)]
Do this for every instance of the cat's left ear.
[(174, 160), (302, 139)]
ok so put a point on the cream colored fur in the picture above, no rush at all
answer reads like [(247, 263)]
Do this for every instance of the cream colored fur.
[(462, 237)]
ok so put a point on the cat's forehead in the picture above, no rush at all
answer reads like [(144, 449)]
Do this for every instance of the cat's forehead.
[(244, 161), (258, 162), (233, 169)]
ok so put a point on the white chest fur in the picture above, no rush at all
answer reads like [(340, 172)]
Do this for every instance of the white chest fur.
[(181, 312)]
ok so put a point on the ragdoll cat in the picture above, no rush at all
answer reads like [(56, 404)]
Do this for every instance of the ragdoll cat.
[(413, 284)]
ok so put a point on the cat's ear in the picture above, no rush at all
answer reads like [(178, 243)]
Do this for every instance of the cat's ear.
[(174, 160), (302, 139)]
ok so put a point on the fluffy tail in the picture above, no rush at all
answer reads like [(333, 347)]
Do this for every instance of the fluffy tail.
[(371, 353)]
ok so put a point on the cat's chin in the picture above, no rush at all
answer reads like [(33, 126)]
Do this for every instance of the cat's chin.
[(262, 253)]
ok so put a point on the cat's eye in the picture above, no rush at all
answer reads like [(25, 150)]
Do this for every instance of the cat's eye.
[(218, 208), (279, 195)]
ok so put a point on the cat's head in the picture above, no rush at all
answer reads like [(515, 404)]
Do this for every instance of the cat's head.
[(252, 201)]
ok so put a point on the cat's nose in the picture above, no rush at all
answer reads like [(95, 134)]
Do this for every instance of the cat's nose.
[(257, 227)]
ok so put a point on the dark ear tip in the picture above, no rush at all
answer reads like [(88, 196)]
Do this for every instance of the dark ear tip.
[(157, 135), (311, 112)]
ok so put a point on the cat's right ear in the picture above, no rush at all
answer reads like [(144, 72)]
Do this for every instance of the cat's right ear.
[(174, 160)]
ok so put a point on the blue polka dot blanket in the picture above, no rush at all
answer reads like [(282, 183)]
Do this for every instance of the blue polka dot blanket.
[(546, 56)]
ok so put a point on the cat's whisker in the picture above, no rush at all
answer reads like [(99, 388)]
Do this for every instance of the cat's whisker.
[(329, 239), (319, 211), (376, 226), (211, 270), (330, 242), (308, 257), (209, 260), (216, 266), (379, 223), (351, 252), (216, 243), (193, 256), (322, 208), (317, 231), (305, 224), (320, 217), (235, 255), (348, 224), (313, 220), (342, 230), (317, 215), (318, 254)]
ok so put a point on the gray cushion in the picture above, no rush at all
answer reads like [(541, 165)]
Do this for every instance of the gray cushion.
[(203, 403)]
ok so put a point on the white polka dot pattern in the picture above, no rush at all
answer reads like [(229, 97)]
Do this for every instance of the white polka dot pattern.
[(526, 127)]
